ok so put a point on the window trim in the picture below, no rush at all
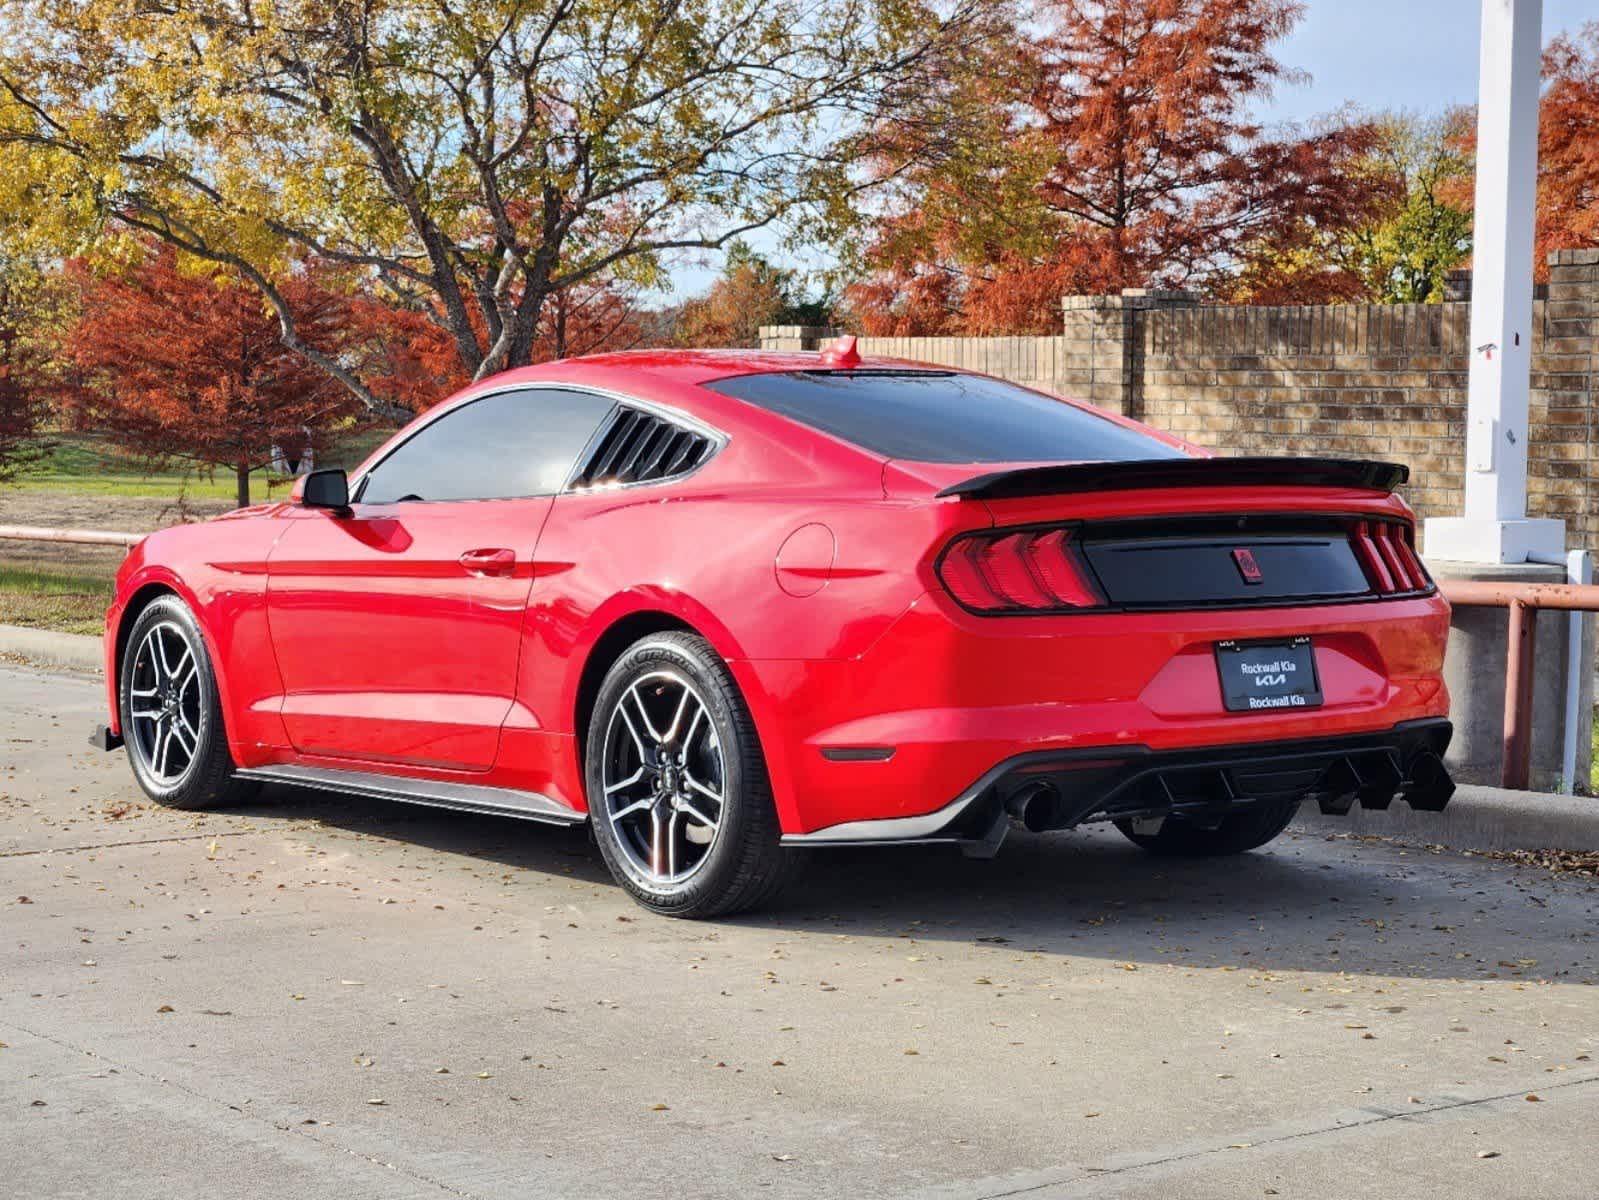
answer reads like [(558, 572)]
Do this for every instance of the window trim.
[(718, 438)]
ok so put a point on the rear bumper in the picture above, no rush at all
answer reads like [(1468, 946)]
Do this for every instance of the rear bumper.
[(943, 697), (1070, 787)]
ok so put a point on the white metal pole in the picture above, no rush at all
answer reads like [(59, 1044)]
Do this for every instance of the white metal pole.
[(1579, 569), (1501, 284), (1495, 528)]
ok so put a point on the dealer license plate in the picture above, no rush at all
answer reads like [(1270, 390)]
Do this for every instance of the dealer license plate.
[(1261, 676)]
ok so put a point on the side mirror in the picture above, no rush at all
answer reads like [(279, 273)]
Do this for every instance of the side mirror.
[(323, 489)]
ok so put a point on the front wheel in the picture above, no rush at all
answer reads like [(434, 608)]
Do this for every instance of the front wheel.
[(171, 712), (678, 792), (1246, 829)]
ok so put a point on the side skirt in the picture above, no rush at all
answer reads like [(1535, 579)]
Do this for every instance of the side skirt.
[(463, 797)]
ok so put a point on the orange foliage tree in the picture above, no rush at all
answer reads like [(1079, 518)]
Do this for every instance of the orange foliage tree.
[(750, 292), (410, 357), (1117, 149), (191, 365), (1568, 146)]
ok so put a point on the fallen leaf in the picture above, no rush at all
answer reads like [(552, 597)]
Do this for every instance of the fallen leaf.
[(659, 1108), (165, 1008), (1534, 1098), (913, 1052)]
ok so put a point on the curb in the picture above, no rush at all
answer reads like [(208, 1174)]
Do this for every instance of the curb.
[(1477, 818), (46, 647)]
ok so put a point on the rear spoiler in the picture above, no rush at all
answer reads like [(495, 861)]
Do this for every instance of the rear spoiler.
[(1182, 473)]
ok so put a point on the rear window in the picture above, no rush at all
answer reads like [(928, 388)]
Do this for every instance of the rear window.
[(935, 416)]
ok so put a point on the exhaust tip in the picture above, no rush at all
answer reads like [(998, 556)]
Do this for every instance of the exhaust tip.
[(1038, 806)]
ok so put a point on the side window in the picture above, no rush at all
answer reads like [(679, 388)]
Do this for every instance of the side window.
[(510, 444)]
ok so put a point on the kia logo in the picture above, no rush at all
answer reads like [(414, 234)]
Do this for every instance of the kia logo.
[(1247, 566)]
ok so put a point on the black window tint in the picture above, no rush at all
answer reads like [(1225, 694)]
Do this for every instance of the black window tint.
[(502, 446), (931, 416)]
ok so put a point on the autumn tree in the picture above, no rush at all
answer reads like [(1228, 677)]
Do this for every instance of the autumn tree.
[(188, 364), (475, 160), (1403, 255), (22, 402), (31, 317), (750, 292), (1568, 146), (1117, 149), (1413, 232)]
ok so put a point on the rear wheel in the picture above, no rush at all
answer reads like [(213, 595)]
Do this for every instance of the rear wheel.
[(171, 713), (1246, 829), (679, 799)]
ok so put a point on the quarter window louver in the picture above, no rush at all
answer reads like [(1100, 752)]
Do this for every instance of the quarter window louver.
[(640, 447)]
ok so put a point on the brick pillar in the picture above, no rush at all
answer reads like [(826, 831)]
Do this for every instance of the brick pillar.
[(1457, 285), (1104, 350), (1565, 370), (796, 337)]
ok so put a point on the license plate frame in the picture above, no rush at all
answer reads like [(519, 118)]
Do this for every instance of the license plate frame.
[(1260, 675)]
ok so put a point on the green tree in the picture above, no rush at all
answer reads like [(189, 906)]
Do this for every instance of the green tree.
[(1403, 258), (474, 158)]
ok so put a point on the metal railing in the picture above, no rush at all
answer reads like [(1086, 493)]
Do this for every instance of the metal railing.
[(86, 537), (1523, 600)]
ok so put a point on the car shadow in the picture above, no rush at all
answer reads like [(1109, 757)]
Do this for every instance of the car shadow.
[(1308, 902)]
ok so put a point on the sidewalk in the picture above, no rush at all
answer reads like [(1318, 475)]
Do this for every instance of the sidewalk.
[(47, 648)]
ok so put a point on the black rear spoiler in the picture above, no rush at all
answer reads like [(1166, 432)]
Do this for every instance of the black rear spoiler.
[(1182, 473)]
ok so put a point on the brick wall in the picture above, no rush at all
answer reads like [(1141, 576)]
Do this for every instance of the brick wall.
[(1375, 381)]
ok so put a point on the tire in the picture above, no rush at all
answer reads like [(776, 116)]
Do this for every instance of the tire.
[(180, 758), (670, 733), (1247, 829)]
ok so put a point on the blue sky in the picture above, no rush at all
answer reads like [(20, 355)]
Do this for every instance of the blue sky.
[(1381, 54), (1418, 54)]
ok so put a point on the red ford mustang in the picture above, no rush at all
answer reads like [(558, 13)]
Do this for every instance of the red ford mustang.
[(726, 606)]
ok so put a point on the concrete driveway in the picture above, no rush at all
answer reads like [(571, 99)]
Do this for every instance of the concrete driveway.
[(321, 996)]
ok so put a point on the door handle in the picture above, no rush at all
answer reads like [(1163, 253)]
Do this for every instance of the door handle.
[(489, 562)]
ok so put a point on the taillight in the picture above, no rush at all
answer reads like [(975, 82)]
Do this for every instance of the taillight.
[(1017, 570), (1386, 552)]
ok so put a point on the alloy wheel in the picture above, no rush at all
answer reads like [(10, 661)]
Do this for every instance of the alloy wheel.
[(164, 704), (664, 778)]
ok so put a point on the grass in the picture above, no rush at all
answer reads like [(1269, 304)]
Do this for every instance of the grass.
[(54, 598), (89, 465), (1593, 766)]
